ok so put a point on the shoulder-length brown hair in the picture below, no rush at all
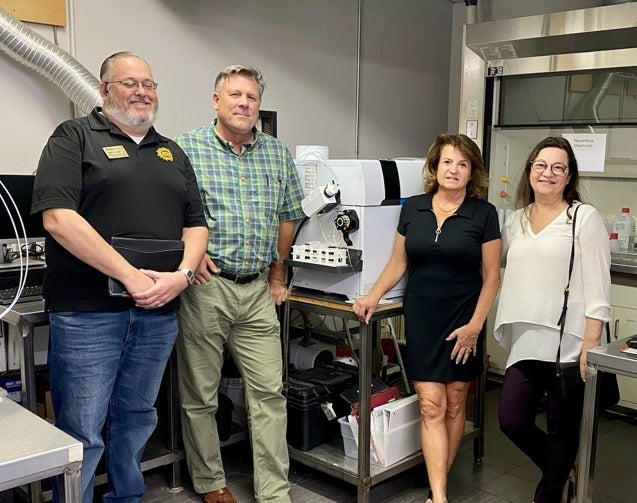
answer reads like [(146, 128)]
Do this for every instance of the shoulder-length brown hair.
[(525, 195), (479, 182)]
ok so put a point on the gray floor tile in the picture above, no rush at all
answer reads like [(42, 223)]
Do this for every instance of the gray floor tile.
[(504, 475)]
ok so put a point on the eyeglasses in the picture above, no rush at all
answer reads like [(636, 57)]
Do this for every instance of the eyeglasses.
[(149, 85), (557, 168)]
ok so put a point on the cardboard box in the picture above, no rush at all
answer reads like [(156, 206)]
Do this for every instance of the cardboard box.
[(13, 386), (48, 406)]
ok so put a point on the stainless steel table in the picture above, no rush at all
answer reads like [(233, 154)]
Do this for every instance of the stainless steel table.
[(329, 457), (602, 359), (31, 449)]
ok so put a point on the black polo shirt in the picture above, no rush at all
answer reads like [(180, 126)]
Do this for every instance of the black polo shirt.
[(121, 188)]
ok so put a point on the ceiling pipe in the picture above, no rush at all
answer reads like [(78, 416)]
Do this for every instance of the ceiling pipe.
[(359, 45), (35, 52)]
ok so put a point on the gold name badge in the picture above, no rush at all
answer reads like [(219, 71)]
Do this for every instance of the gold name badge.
[(115, 152)]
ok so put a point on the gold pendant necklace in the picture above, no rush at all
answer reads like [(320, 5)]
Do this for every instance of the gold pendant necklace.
[(443, 209)]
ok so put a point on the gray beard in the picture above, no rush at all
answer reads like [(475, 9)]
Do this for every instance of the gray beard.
[(129, 119)]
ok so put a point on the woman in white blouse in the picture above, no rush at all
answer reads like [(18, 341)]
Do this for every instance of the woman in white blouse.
[(536, 247)]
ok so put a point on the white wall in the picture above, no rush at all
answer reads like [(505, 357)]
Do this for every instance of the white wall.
[(307, 51), (405, 76), (30, 107)]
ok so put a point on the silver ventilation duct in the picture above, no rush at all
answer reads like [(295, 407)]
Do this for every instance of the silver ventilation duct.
[(37, 53)]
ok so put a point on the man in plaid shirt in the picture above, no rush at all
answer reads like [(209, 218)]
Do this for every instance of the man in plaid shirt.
[(252, 196)]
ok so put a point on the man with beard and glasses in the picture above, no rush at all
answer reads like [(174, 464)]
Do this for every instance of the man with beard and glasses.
[(112, 174)]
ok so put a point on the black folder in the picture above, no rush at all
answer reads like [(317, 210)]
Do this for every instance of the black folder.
[(162, 255)]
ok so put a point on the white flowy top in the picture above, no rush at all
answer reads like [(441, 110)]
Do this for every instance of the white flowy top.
[(536, 273)]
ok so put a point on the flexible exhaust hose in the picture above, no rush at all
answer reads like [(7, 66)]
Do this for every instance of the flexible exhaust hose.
[(56, 65)]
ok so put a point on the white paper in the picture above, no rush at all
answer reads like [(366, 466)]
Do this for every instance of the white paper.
[(589, 149)]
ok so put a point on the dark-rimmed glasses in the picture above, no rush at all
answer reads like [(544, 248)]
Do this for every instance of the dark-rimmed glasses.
[(557, 168)]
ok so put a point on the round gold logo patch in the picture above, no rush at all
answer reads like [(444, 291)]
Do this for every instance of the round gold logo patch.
[(165, 154)]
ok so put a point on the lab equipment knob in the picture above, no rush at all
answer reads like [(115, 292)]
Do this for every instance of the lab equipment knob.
[(346, 221)]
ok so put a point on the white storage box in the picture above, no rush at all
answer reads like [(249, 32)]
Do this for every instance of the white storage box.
[(385, 448)]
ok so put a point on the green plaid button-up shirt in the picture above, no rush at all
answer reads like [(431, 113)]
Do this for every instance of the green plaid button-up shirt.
[(245, 196)]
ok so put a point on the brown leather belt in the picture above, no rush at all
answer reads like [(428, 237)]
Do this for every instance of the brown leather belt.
[(239, 279)]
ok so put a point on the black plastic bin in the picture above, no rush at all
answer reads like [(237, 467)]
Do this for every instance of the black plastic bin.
[(308, 425)]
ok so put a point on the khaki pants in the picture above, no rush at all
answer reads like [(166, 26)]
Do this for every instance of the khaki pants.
[(243, 317)]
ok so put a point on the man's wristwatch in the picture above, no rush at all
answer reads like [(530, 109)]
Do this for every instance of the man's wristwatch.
[(189, 275)]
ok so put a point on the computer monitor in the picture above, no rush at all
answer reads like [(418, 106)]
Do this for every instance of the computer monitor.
[(21, 189)]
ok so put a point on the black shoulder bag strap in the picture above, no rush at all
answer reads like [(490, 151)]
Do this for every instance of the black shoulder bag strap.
[(562, 321)]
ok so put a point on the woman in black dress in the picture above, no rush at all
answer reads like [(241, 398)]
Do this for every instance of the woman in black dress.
[(448, 243)]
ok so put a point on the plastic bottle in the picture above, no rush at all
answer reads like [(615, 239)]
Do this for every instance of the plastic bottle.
[(614, 244), (609, 218), (624, 226)]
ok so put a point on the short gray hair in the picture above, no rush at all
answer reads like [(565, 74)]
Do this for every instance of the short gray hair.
[(245, 71)]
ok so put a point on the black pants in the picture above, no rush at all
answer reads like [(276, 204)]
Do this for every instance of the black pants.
[(553, 451)]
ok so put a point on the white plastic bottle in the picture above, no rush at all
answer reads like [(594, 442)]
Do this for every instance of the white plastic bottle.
[(614, 244), (624, 226)]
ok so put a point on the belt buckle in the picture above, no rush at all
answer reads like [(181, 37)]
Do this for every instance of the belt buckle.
[(246, 278), (240, 279)]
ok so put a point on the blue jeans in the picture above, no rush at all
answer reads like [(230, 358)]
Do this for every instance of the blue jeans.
[(106, 369)]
